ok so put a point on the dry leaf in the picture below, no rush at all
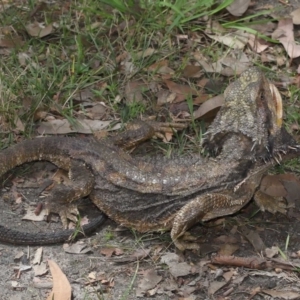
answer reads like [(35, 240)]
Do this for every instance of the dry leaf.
[(19, 124), (86, 126), (23, 58), (177, 268), (61, 287), (238, 7), (137, 255), (10, 42), (235, 66), (40, 270), (37, 256), (215, 286), (149, 281), (77, 248), (234, 40), (134, 91), (145, 53), (254, 238), (191, 71), (228, 249), (258, 45), (107, 251), (18, 256), (285, 35), (271, 252), (288, 295), (30, 215), (38, 30), (84, 95), (161, 67), (180, 88), (209, 107), (225, 239), (164, 96), (272, 185), (296, 16), (96, 112), (182, 91)]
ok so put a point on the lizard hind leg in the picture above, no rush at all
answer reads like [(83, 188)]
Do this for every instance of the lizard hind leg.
[(270, 203), (62, 198), (201, 208)]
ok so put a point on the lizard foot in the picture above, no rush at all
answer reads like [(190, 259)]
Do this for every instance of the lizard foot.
[(202, 208), (270, 203), (62, 197), (140, 131), (66, 212), (161, 128), (186, 241)]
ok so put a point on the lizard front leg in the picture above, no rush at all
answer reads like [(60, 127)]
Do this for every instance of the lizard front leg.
[(203, 208), (140, 131), (269, 203), (61, 197)]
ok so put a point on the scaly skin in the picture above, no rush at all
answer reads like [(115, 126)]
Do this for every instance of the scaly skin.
[(160, 194)]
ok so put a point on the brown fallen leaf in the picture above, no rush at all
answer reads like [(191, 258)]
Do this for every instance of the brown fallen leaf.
[(234, 40), (228, 249), (38, 30), (145, 53), (285, 35), (165, 96), (257, 44), (177, 268), (11, 42), (272, 185), (201, 99), (77, 248), (149, 281), (191, 71), (40, 270), (86, 126), (235, 65), (37, 256), (296, 16), (134, 91), (288, 295), (161, 67), (32, 216), (254, 238), (222, 239), (215, 286), (181, 89), (107, 251), (238, 7), (271, 252), (139, 254), (209, 108), (61, 287), (96, 112)]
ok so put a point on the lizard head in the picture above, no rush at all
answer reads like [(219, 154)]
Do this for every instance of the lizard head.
[(252, 110)]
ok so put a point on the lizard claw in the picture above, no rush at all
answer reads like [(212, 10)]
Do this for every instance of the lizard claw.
[(66, 211), (270, 203), (186, 241), (70, 212)]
